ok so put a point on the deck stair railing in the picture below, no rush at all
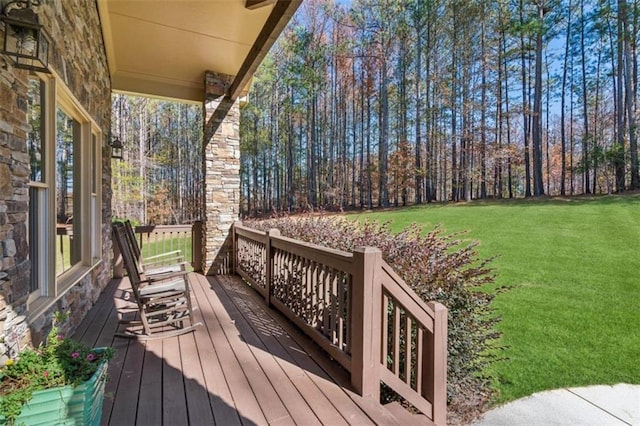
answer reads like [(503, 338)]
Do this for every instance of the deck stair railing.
[(357, 309)]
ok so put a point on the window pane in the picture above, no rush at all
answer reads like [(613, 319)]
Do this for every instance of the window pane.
[(36, 141), (67, 192), (95, 225), (33, 235), (35, 145), (94, 163)]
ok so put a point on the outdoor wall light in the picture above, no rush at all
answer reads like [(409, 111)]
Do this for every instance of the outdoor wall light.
[(25, 39), (116, 149)]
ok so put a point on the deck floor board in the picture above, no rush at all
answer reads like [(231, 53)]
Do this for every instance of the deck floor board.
[(149, 412), (295, 403), (174, 403), (241, 367), (279, 343)]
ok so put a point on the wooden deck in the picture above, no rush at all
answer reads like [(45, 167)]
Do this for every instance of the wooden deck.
[(245, 365)]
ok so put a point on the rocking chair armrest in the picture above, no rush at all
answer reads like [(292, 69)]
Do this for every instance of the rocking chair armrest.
[(173, 253), (162, 270), (164, 276), (163, 262)]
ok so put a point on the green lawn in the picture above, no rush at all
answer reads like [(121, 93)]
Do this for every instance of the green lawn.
[(155, 247), (63, 253), (572, 317)]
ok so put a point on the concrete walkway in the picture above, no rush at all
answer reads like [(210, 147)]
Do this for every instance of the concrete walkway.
[(593, 405)]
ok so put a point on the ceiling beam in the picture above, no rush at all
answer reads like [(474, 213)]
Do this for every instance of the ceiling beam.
[(282, 12), (255, 4)]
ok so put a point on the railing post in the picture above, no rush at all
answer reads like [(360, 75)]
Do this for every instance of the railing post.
[(234, 248), (436, 366), (196, 246), (366, 302), (268, 270), (118, 266)]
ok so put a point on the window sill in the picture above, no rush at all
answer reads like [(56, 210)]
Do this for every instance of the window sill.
[(41, 304)]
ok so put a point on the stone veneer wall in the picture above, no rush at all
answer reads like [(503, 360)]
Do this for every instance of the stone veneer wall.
[(78, 57), (222, 180)]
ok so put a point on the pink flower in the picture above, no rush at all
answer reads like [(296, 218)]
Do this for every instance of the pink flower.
[(45, 374), (75, 354), (91, 357), (59, 337)]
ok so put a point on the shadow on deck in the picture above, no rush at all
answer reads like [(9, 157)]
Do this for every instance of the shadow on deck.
[(247, 365)]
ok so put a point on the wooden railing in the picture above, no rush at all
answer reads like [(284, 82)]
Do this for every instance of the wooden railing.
[(357, 309), (156, 239)]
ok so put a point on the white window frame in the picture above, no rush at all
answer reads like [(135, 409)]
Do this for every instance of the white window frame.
[(50, 287), (96, 196)]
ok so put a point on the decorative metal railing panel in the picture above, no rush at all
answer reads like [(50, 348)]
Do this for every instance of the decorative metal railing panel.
[(251, 260), (316, 293)]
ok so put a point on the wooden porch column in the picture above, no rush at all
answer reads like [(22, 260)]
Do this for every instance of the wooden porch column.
[(366, 322), (118, 266), (234, 248), (221, 169)]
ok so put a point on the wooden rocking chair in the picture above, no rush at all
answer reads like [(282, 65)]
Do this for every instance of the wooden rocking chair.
[(162, 263), (164, 302)]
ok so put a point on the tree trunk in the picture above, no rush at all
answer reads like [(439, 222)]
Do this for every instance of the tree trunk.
[(525, 105), (563, 97), (538, 185)]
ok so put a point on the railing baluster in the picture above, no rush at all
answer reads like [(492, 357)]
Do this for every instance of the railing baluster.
[(396, 339), (340, 295), (313, 312), (162, 237), (385, 330), (288, 283), (419, 360), (327, 302), (305, 290), (407, 349), (347, 329), (268, 260), (296, 285), (334, 307), (313, 309), (282, 277)]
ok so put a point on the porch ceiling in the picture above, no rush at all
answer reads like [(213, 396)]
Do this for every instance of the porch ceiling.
[(162, 48)]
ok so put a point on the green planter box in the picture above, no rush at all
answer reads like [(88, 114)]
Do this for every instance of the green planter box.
[(66, 405)]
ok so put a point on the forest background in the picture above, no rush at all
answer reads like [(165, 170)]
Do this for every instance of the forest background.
[(386, 102)]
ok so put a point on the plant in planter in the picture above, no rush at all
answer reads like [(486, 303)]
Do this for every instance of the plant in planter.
[(69, 370)]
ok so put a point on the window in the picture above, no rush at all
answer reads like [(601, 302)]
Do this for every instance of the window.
[(37, 185), (64, 191)]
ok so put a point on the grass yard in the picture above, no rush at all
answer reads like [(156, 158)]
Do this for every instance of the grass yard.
[(63, 253), (572, 316), (158, 245)]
